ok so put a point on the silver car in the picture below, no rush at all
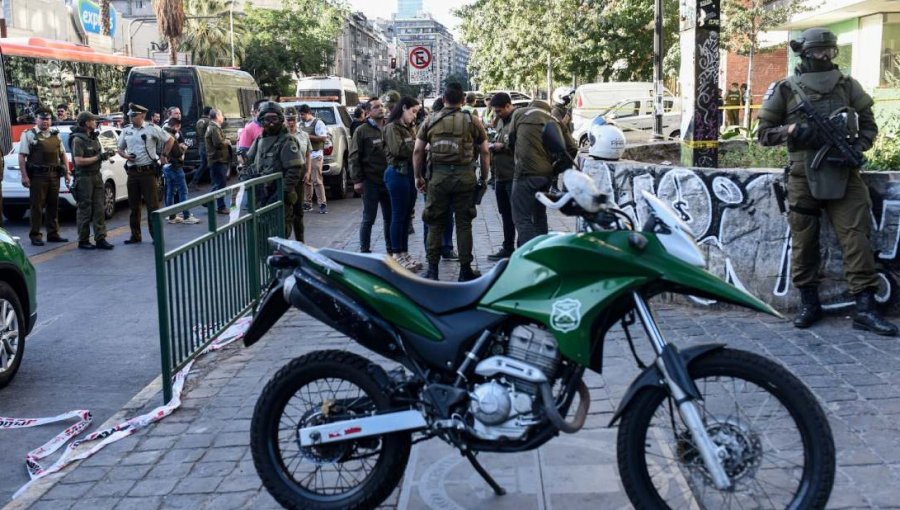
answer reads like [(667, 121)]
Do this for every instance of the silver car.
[(635, 118), (335, 167)]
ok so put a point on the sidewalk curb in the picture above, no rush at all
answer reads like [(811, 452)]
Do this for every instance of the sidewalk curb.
[(42, 486)]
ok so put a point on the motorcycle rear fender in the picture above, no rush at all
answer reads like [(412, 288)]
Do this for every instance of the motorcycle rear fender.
[(273, 306), (651, 377)]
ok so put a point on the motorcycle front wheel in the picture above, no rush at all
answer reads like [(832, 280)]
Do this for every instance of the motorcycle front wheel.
[(772, 436), (318, 388)]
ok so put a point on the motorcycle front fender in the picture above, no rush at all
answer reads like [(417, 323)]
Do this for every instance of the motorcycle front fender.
[(696, 281), (651, 377), (270, 310)]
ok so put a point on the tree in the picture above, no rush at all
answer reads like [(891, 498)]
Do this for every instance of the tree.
[(458, 77), (584, 39), (170, 19), (744, 21), (104, 17), (298, 38), (399, 83), (208, 37)]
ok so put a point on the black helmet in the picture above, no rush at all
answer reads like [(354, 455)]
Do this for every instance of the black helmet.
[(814, 38), (270, 107)]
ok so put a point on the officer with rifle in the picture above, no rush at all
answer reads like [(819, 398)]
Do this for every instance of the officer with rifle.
[(827, 122)]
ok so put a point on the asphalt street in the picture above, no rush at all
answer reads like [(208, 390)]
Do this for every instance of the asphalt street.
[(96, 342)]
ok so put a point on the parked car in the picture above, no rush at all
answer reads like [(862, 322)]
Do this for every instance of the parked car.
[(336, 166), (15, 196), (18, 304), (592, 99), (343, 89), (635, 118)]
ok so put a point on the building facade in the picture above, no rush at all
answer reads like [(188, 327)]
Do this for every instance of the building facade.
[(409, 8), (362, 54)]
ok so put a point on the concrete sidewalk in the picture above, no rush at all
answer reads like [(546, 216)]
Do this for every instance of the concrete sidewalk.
[(199, 458)]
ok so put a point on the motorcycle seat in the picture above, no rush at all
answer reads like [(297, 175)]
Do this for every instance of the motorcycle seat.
[(436, 297)]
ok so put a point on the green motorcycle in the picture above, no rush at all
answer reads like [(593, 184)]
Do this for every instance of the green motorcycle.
[(496, 365)]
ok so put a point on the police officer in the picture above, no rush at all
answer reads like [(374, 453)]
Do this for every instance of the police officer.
[(562, 97), (835, 187), (88, 155), (145, 147), (453, 137), (367, 165), (290, 116), (503, 161), (42, 156), (534, 170), (276, 150)]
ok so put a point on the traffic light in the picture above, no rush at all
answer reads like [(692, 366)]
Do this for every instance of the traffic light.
[(393, 62)]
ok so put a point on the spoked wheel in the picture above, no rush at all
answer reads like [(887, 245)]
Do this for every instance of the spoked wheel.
[(771, 434), (315, 389)]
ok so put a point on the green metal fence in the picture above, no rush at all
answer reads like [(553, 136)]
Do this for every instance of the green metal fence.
[(206, 284)]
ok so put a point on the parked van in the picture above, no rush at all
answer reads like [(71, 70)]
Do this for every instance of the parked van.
[(323, 87), (191, 88), (592, 99)]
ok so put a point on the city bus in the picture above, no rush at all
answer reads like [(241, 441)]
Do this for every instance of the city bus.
[(42, 73)]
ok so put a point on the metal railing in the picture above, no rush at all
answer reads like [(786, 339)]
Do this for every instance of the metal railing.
[(204, 285)]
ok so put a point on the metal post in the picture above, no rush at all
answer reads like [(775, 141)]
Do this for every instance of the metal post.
[(231, 14), (700, 83), (658, 53), (162, 303), (253, 243)]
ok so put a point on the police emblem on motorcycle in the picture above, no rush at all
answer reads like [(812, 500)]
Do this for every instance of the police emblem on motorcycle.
[(566, 315)]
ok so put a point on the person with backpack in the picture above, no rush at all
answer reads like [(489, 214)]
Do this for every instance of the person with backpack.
[(535, 167), (452, 137)]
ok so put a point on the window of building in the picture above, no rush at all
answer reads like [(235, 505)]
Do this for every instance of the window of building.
[(890, 53)]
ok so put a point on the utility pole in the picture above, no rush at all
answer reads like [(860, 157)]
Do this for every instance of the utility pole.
[(231, 14), (549, 79), (658, 52), (700, 83)]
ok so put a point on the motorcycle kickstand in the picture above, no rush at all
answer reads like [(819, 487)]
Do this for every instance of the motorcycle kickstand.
[(498, 490)]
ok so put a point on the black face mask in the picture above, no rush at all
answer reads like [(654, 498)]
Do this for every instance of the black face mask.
[(811, 65), (272, 128)]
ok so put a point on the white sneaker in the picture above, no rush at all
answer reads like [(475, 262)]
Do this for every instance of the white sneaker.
[(176, 219), (192, 220)]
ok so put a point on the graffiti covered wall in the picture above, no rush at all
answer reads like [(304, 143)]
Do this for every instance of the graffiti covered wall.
[(738, 217)]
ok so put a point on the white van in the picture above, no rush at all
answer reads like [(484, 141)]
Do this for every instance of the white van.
[(326, 87), (592, 99)]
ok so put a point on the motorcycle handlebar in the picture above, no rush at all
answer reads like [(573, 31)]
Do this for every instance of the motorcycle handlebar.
[(548, 200)]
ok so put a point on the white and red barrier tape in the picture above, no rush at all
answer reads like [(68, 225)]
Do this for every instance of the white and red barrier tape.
[(124, 429)]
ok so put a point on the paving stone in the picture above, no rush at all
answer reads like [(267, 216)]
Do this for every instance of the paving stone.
[(231, 453), (198, 485), (139, 503), (114, 487), (154, 487), (68, 490)]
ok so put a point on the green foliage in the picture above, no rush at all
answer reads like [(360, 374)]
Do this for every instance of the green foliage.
[(513, 39), (208, 40), (399, 83), (457, 77), (885, 152), (297, 39), (753, 155)]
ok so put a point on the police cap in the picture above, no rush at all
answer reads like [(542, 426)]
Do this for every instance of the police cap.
[(136, 109), (43, 113), (84, 117), (814, 38)]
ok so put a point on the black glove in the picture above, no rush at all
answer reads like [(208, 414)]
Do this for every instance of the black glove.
[(805, 135), (106, 155)]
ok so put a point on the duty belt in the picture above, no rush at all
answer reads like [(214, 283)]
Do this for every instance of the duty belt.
[(441, 167), (140, 168), (42, 169)]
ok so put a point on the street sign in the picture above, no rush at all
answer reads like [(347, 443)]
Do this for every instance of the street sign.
[(420, 57)]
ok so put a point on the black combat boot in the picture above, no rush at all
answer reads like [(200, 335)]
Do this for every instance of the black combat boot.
[(466, 273), (810, 308), (867, 317), (432, 273)]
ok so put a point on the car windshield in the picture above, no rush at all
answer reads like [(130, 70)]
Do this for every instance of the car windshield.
[(326, 114)]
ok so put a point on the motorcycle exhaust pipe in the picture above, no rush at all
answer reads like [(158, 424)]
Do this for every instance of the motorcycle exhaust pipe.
[(553, 415), (358, 428)]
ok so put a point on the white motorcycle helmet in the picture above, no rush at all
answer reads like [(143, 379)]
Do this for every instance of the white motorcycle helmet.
[(562, 95), (606, 141)]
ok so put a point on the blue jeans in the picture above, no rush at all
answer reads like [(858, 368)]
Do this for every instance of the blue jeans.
[(373, 195), (399, 188), (200, 171), (219, 173), (176, 186)]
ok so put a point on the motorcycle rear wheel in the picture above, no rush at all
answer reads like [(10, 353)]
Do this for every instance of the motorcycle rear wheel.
[(778, 451), (354, 474)]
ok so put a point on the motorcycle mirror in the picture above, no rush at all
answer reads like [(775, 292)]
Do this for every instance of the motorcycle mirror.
[(584, 190)]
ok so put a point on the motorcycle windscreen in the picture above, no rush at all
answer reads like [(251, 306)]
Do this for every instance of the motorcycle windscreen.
[(271, 309)]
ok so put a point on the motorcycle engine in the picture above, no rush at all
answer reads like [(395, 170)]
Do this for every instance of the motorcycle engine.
[(505, 406)]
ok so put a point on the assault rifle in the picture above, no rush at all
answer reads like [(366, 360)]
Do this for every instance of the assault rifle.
[(833, 131)]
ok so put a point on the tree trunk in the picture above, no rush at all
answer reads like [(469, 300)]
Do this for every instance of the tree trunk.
[(104, 17), (749, 98), (173, 51)]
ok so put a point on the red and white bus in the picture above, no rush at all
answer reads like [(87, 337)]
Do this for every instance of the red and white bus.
[(36, 73)]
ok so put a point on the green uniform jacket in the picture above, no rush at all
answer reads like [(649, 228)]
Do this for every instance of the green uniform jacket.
[(201, 126), (399, 142), (367, 154), (218, 148), (503, 161), (525, 133), (733, 98), (86, 146), (278, 153)]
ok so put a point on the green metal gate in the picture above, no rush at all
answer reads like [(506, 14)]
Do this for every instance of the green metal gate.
[(206, 284)]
